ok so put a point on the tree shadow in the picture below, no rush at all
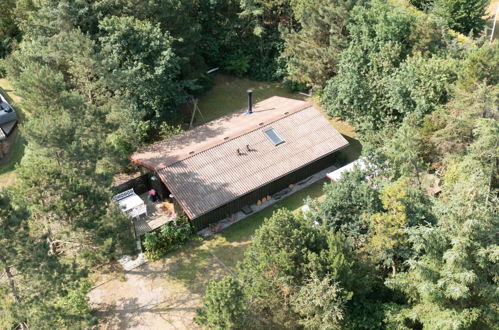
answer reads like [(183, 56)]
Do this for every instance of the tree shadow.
[(351, 153), (15, 152), (130, 313)]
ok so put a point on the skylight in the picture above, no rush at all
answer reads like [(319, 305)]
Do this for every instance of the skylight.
[(273, 136)]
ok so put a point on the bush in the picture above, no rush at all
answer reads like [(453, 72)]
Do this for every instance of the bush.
[(168, 238), (295, 86), (167, 131), (224, 306), (239, 64)]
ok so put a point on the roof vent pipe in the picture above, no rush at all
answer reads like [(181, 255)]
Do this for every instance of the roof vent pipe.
[(250, 103)]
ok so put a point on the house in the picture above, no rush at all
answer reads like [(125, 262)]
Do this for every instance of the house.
[(8, 118), (216, 169)]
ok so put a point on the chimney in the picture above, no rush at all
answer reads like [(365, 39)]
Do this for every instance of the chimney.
[(250, 104)]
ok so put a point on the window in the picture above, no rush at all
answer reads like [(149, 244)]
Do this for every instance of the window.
[(273, 136)]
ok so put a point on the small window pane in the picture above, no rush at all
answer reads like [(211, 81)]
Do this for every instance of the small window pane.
[(273, 136)]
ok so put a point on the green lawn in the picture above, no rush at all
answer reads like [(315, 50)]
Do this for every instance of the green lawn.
[(229, 95), (7, 165)]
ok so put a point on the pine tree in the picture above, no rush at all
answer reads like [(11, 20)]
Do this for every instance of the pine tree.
[(224, 305), (313, 51), (40, 291), (347, 206), (453, 277), (321, 303), (464, 16), (380, 41), (9, 33), (452, 284)]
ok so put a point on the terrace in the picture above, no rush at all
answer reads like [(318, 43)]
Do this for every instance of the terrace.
[(146, 215), (158, 214)]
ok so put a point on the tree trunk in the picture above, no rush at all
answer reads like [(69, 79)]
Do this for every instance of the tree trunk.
[(10, 279)]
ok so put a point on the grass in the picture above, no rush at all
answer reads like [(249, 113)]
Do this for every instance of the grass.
[(8, 164), (229, 95)]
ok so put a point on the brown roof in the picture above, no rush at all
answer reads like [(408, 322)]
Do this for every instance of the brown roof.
[(215, 174), (192, 142)]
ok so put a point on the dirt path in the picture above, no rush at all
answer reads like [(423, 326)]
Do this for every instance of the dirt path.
[(154, 296)]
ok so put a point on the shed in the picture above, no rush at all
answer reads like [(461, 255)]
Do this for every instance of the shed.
[(336, 174), (216, 169)]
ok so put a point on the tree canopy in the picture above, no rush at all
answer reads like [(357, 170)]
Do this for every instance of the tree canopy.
[(409, 242)]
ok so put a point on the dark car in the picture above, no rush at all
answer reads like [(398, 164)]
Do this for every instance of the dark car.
[(8, 118)]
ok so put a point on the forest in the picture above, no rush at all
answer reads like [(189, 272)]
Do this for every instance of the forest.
[(418, 80)]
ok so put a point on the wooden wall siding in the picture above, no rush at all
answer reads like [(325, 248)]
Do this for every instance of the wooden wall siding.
[(269, 189)]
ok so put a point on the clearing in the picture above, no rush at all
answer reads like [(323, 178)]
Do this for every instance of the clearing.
[(166, 293)]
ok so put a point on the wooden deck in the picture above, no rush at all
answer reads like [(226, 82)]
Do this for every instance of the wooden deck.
[(156, 217)]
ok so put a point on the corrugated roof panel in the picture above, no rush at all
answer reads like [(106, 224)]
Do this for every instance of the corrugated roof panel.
[(219, 175)]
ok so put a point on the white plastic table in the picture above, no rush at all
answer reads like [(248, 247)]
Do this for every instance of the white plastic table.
[(131, 203)]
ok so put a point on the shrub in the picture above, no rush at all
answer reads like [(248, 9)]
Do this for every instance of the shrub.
[(168, 238), (239, 65), (166, 130), (224, 306), (295, 86)]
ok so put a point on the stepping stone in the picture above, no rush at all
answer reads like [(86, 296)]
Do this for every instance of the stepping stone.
[(129, 264)]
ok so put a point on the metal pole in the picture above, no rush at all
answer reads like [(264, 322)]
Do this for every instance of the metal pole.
[(494, 25)]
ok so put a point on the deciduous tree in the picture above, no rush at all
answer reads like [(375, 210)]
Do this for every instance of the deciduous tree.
[(142, 66), (405, 207), (379, 36), (347, 206)]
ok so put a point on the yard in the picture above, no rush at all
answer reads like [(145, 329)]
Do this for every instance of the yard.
[(166, 293)]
